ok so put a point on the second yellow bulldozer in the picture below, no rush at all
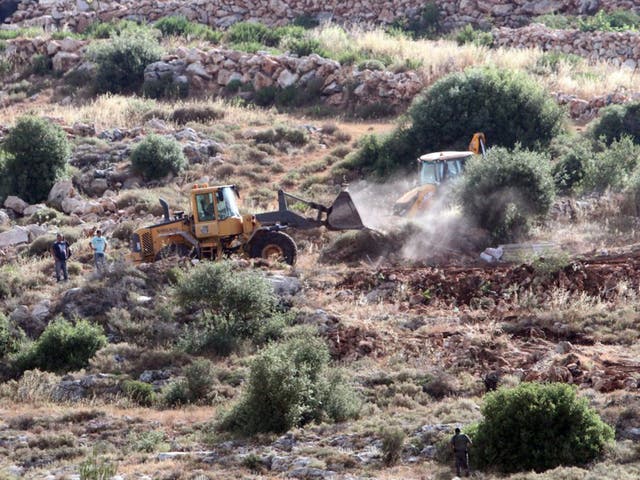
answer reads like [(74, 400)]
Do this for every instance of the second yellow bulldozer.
[(436, 169), (215, 228)]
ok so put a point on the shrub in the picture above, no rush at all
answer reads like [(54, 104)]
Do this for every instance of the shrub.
[(112, 28), (37, 156), (371, 65), (63, 347), (157, 156), (552, 427), (251, 32), (122, 60), (287, 387), (617, 121), (507, 189), (569, 169), (507, 106), (195, 113), (293, 136), (179, 25), (41, 64), (610, 167), (140, 392), (199, 377), (302, 46), (95, 468), (176, 394), (11, 337), (392, 443), (468, 34)]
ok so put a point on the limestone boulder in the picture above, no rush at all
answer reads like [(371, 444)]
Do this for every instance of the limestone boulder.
[(60, 192), (15, 236), (16, 204)]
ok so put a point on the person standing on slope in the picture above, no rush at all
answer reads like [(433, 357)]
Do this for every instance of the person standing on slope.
[(99, 246), (460, 444), (61, 252)]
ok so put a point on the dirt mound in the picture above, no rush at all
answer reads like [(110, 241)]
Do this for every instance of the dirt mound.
[(410, 242)]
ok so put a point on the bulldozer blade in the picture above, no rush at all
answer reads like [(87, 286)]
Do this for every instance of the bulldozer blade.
[(343, 214)]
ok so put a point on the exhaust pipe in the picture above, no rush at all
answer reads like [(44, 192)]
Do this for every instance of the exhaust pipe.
[(165, 209)]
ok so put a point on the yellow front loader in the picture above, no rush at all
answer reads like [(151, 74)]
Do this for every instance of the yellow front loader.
[(215, 228), (436, 169)]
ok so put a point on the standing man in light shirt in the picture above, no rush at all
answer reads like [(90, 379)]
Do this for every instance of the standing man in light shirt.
[(99, 246)]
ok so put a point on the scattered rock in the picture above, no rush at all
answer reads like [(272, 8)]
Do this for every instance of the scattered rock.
[(16, 204)]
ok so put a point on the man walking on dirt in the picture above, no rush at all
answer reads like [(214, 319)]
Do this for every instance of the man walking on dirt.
[(460, 444), (99, 246), (61, 252)]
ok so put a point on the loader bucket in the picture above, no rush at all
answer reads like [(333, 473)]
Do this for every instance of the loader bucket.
[(343, 214)]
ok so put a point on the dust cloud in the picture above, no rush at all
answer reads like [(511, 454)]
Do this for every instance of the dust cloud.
[(440, 234)]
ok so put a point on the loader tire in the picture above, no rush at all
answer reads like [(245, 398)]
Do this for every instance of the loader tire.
[(274, 246)]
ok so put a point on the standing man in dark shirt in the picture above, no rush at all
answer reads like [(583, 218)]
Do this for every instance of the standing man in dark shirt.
[(61, 252), (460, 444)]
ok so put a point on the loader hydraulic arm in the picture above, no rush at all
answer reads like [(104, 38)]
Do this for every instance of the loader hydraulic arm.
[(341, 215)]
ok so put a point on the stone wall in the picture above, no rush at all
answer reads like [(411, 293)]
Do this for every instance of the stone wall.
[(77, 14), (620, 48), (210, 71)]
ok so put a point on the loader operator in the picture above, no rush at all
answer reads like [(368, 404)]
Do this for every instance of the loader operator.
[(460, 444)]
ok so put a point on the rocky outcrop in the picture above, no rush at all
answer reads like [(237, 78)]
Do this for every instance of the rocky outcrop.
[(78, 14)]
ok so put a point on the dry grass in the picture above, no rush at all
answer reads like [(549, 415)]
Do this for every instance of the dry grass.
[(437, 58)]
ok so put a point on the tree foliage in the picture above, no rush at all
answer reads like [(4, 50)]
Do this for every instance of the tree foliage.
[(121, 61), (506, 190), (290, 385), (157, 156), (617, 121), (538, 427), (37, 156)]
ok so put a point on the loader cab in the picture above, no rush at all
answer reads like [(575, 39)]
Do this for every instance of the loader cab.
[(440, 167), (215, 211)]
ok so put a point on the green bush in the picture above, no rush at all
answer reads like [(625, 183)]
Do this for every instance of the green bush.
[(610, 167), (122, 60), (236, 306), (251, 32), (41, 64), (180, 26), (538, 427), (37, 156), (468, 34), (556, 21), (392, 443), (63, 347), (111, 29), (176, 394), (200, 378), (616, 21), (617, 121), (11, 337), (509, 107), (217, 288), (506, 190), (156, 156), (140, 392), (302, 46), (287, 387), (571, 154)]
